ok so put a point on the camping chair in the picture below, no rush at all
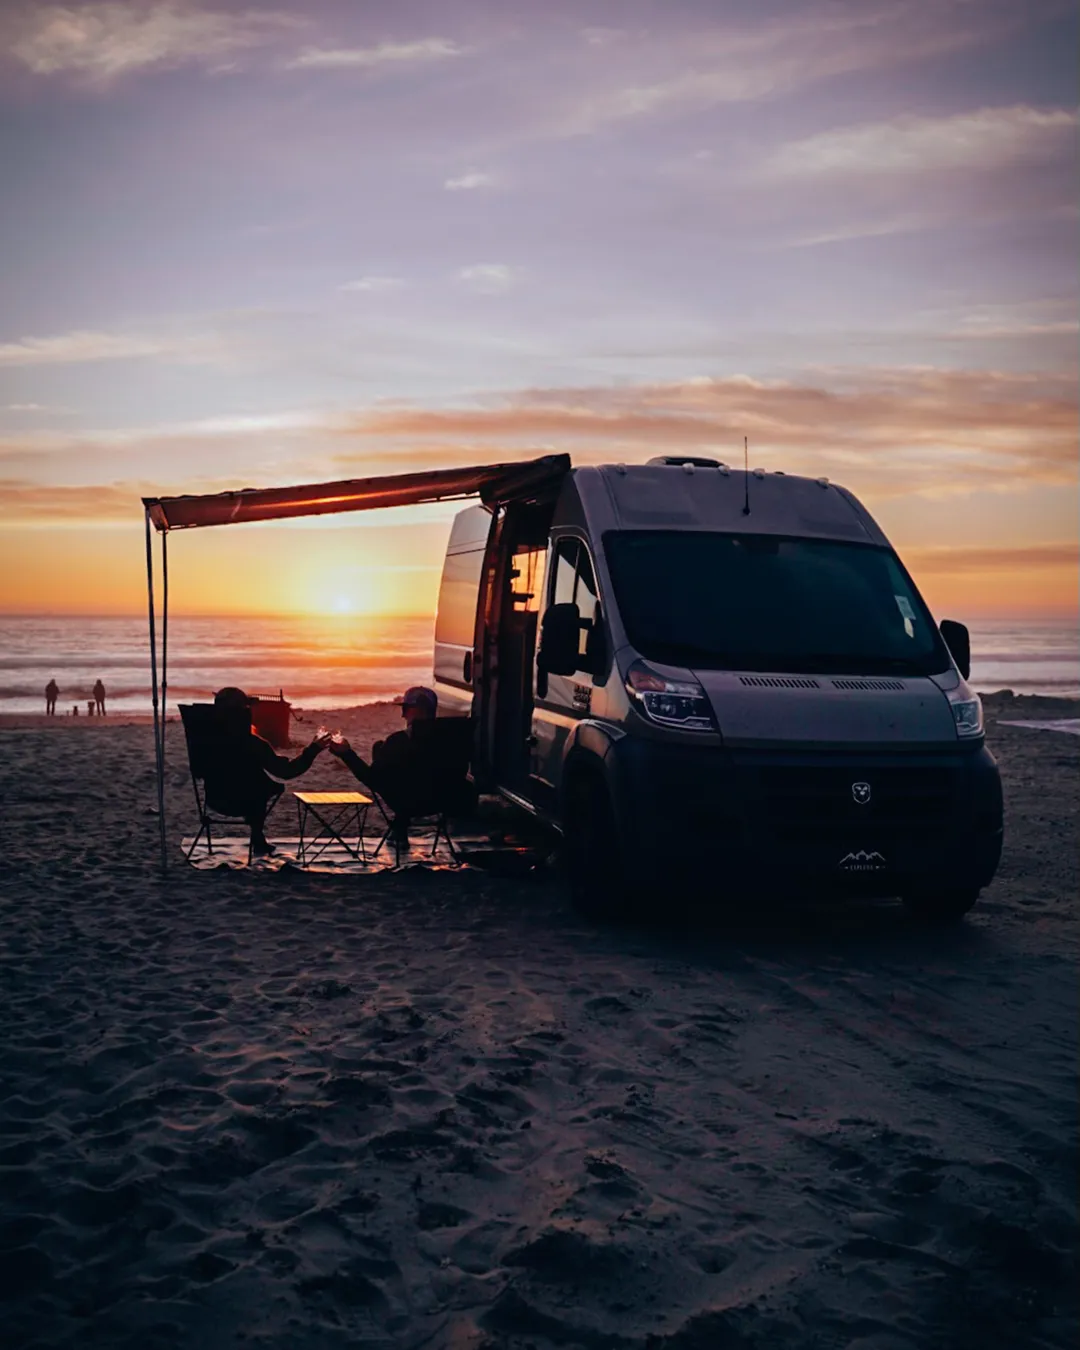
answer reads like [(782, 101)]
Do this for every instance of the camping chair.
[(444, 747), (202, 731)]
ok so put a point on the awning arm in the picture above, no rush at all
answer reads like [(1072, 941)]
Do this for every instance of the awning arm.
[(521, 480)]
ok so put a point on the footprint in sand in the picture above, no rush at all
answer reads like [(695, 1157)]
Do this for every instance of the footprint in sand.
[(348, 1285), (359, 1093), (493, 1106), (607, 1007), (433, 1215)]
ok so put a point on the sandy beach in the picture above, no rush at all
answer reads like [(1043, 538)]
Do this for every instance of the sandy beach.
[(439, 1109)]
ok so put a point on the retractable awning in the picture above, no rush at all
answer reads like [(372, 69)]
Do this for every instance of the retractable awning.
[(526, 481), (492, 483)]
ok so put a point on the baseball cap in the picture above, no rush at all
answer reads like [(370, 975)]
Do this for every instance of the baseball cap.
[(419, 697), (231, 697)]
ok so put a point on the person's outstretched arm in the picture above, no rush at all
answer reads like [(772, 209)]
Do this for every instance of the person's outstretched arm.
[(277, 766), (359, 768)]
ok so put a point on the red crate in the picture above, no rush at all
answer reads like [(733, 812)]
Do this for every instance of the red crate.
[(270, 719)]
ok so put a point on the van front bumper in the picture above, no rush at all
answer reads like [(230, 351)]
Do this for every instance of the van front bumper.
[(843, 822)]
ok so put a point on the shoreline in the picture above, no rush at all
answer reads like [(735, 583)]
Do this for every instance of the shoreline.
[(19, 721)]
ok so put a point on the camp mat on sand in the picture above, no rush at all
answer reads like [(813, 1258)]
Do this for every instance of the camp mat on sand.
[(474, 851)]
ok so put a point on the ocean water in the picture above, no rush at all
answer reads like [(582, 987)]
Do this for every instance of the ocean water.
[(340, 661), (316, 662)]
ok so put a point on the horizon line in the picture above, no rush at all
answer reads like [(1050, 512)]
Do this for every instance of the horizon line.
[(216, 614), (1063, 615)]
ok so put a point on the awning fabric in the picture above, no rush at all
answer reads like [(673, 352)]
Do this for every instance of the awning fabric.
[(492, 483)]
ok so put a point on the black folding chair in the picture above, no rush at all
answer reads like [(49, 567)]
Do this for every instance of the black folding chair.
[(443, 752), (204, 734)]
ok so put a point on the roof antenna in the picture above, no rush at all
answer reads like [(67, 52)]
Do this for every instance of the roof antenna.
[(746, 477)]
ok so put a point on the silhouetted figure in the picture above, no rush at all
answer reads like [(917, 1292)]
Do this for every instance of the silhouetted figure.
[(244, 787), (398, 772), (99, 698), (52, 693)]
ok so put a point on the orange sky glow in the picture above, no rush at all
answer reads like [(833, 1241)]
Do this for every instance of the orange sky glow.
[(394, 570)]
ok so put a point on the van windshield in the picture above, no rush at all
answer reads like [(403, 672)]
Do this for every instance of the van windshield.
[(770, 603)]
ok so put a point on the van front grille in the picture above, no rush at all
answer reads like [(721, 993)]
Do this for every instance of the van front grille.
[(819, 804)]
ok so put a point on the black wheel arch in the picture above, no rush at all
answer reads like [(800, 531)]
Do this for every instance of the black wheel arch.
[(579, 768), (588, 757)]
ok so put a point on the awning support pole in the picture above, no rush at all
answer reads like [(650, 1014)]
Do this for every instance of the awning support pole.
[(154, 692), (164, 663)]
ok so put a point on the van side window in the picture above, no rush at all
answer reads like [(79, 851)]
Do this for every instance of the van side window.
[(527, 579)]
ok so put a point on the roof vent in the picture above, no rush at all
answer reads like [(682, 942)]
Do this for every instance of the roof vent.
[(675, 461)]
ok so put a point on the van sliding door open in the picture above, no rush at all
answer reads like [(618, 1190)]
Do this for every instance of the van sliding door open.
[(516, 648)]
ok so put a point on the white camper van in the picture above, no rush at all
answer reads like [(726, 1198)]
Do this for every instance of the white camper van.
[(680, 665)]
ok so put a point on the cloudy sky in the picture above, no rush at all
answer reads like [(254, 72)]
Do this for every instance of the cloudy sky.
[(251, 244)]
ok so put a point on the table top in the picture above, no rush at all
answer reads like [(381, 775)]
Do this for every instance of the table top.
[(332, 798)]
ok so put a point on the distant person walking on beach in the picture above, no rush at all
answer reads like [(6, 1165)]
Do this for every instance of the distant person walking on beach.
[(99, 698), (52, 693), (243, 785)]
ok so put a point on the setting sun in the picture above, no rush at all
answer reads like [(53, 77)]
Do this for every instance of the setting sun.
[(355, 593)]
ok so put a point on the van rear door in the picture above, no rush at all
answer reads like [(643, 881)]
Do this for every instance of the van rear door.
[(455, 623)]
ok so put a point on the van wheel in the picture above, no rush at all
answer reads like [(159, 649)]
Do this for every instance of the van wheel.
[(940, 907), (591, 854)]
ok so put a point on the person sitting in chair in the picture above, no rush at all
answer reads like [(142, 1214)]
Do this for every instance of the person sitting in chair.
[(399, 772), (245, 786)]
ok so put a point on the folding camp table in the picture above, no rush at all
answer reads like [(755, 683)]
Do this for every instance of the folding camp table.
[(334, 812)]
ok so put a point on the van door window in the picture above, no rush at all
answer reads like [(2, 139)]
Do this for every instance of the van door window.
[(564, 580), (588, 603), (574, 581)]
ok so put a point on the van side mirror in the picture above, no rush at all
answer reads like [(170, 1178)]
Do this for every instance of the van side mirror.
[(958, 641), (560, 636)]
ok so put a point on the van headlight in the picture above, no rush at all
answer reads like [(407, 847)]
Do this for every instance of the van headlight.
[(671, 703), (967, 712)]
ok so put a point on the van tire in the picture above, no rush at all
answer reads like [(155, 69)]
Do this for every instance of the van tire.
[(940, 907), (591, 855)]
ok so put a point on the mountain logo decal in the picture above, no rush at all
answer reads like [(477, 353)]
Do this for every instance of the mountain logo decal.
[(862, 861)]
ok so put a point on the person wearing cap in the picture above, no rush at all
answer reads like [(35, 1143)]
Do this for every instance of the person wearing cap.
[(245, 787), (398, 772)]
